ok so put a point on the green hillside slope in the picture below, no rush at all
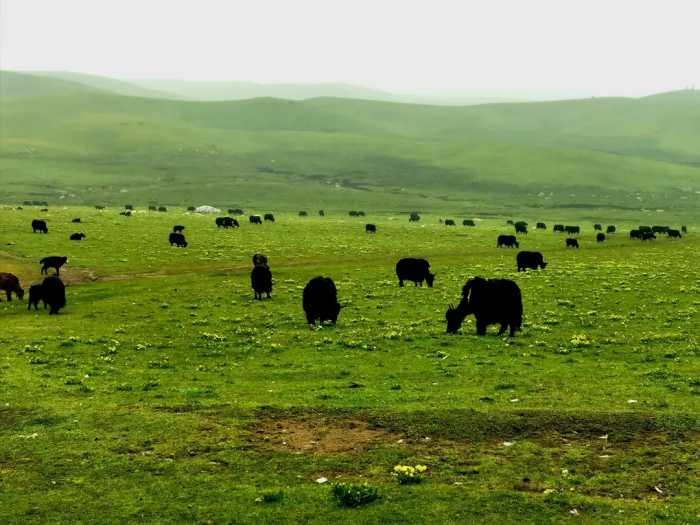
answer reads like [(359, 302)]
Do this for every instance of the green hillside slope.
[(87, 146)]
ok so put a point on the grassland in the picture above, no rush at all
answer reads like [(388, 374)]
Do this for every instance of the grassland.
[(62, 141), (165, 393)]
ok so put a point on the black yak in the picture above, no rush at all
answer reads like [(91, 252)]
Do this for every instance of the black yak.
[(416, 270), (125, 213), (226, 222), (468, 222), (674, 234), (39, 225), (76, 220), (54, 262), (572, 230), (51, 292), (572, 243), (321, 213), (303, 213), (635, 234), (269, 217), (177, 239), (9, 283), (684, 229), (178, 228), (414, 217), (255, 219), (261, 280), (600, 237), (77, 236), (532, 260), (541, 226), (370, 228), (449, 222), (493, 301), (598, 227), (509, 241), (558, 228), (320, 301), (521, 228), (647, 236), (611, 229), (162, 208)]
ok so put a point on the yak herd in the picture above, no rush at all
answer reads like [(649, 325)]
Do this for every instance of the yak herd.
[(491, 301)]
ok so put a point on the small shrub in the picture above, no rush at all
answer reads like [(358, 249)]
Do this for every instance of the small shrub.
[(354, 495), (406, 474)]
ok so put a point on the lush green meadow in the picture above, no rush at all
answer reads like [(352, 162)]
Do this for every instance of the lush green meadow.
[(164, 393)]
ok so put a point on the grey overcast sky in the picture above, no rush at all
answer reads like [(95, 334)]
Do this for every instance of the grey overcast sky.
[(576, 47)]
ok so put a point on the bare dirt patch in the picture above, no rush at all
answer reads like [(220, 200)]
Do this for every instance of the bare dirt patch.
[(319, 435)]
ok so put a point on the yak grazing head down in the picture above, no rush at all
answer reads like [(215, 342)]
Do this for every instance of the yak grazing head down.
[(455, 316), (430, 279)]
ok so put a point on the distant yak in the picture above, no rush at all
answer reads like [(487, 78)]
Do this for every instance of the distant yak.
[(370, 228), (9, 283), (54, 262), (531, 260), (509, 241), (52, 292), (177, 239), (77, 236), (416, 270), (39, 225)]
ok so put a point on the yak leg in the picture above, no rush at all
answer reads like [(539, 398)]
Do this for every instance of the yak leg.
[(401, 283), (9, 295), (480, 328), (502, 330), (512, 330)]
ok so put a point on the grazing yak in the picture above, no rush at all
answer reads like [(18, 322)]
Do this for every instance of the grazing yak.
[(532, 260), (125, 213), (521, 228), (226, 222), (39, 225), (644, 228), (191, 208), (541, 226), (321, 213), (269, 217), (370, 228), (635, 234), (259, 260), (129, 207), (598, 227), (152, 208), (51, 292), (611, 229), (572, 243), (98, 207), (449, 222), (320, 301), (600, 237), (162, 208), (468, 222), (572, 230), (647, 236), (674, 234), (255, 219), (356, 213), (493, 301), (414, 217), (178, 228), (261, 280), (416, 270), (558, 228), (9, 283), (684, 229), (509, 221), (54, 262), (509, 241), (660, 229), (177, 239), (76, 220), (302, 213), (77, 236)]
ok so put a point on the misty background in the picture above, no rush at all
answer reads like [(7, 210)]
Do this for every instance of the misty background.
[(438, 52)]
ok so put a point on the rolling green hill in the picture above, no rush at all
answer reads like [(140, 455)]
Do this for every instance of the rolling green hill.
[(83, 145)]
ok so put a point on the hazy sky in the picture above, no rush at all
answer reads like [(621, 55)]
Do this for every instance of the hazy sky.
[(544, 46)]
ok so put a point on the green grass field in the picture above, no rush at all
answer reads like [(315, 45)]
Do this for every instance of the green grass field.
[(164, 393), (65, 142)]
